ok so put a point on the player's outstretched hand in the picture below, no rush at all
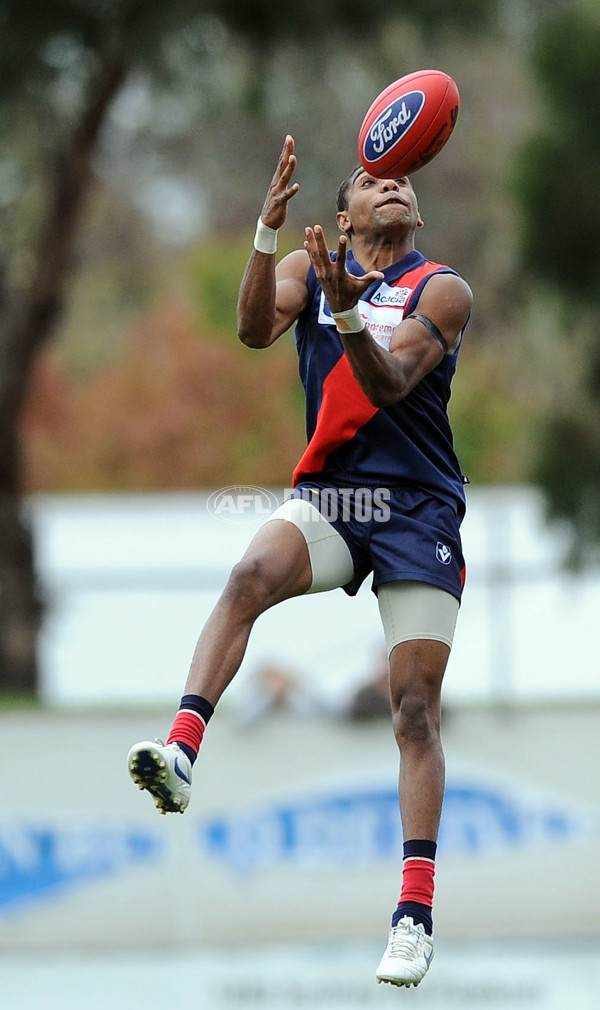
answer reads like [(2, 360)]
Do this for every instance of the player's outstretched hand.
[(342, 289), (274, 210)]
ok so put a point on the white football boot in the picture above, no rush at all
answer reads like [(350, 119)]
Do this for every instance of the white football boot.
[(165, 771), (407, 956)]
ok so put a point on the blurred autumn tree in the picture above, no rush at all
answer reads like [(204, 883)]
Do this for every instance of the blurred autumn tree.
[(556, 182), (178, 409), (62, 65)]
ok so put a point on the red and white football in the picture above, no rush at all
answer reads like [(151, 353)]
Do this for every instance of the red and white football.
[(408, 124)]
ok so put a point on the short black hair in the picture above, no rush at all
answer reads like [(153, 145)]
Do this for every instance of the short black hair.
[(342, 194)]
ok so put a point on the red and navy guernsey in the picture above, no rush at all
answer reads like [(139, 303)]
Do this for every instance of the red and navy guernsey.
[(349, 439)]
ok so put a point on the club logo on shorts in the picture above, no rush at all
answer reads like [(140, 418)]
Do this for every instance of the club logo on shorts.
[(443, 553)]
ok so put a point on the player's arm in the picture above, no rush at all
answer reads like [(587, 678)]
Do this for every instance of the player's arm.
[(272, 297), (421, 340), (416, 347)]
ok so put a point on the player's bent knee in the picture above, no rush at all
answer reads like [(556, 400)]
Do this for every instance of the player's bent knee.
[(249, 585), (270, 571)]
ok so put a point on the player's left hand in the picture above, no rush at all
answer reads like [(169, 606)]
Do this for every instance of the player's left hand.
[(341, 288)]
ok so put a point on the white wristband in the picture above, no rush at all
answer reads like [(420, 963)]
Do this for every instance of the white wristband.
[(349, 321), (265, 240)]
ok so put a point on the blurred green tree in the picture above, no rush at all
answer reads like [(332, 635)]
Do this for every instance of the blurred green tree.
[(556, 184), (62, 64)]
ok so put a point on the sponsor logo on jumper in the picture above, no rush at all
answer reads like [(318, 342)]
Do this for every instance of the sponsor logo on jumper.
[(325, 317), (386, 295), (443, 553), (392, 124), (381, 334), (380, 316), (241, 503)]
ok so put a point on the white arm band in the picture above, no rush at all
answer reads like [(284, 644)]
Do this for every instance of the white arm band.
[(265, 240), (349, 321)]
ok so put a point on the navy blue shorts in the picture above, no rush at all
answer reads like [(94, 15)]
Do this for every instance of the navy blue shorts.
[(398, 534)]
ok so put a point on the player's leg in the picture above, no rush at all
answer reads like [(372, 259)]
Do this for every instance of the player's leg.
[(419, 623), (275, 567), (296, 551), (416, 672)]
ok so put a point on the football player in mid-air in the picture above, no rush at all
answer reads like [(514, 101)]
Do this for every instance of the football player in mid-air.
[(378, 331)]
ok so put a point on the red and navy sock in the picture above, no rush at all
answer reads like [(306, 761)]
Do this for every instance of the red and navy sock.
[(190, 723), (416, 896)]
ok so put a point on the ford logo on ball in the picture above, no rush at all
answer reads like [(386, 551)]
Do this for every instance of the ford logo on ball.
[(392, 124)]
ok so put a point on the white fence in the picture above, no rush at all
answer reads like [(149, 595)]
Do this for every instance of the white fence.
[(131, 579)]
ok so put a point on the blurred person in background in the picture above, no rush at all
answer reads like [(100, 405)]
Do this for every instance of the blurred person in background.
[(371, 700), (276, 689)]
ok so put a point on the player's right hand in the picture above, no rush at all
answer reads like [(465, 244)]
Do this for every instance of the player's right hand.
[(274, 212)]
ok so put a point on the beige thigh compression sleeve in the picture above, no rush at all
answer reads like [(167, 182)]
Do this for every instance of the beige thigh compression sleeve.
[(411, 610), (330, 559)]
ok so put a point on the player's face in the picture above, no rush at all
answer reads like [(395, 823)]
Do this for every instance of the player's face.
[(376, 203)]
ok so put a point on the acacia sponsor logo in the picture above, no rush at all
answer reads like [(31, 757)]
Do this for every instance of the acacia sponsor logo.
[(396, 297), (241, 503)]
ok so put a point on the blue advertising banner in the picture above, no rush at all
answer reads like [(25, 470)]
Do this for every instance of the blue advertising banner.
[(39, 861), (362, 825)]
